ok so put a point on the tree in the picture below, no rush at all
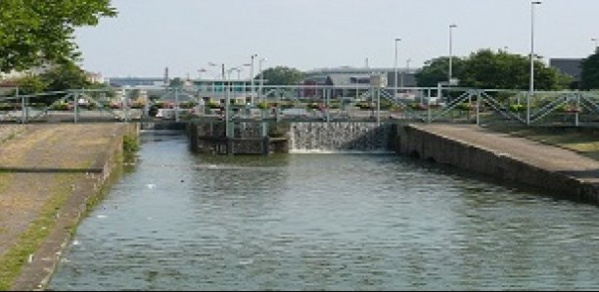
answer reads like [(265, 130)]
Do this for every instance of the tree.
[(589, 75), (490, 70), (64, 77), (31, 84), (493, 70), (437, 70), (61, 77), (35, 32), (176, 82), (282, 75)]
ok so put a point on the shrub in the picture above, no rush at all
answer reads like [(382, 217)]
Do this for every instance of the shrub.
[(517, 107)]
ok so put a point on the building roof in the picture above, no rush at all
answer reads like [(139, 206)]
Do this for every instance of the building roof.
[(568, 66), (136, 81), (348, 79)]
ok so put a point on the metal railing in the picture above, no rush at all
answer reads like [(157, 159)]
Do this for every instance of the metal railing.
[(305, 103)]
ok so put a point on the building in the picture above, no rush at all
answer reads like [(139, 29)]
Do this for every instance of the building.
[(568, 66), (352, 82), (136, 81), (94, 77)]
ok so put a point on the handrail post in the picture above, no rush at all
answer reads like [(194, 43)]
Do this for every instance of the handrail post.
[(75, 106), (23, 114)]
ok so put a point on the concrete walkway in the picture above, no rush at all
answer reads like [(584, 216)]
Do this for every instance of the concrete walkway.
[(49, 169), (543, 156)]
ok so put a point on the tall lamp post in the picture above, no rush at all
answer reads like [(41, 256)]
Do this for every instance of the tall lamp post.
[(200, 71), (227, 98), (532, 59), (407, 71), (252, 77), (261, 76), (450, 73), (397, 40), (222, 69)]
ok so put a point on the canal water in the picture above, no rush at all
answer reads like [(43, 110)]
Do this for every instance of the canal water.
[(181, 221)]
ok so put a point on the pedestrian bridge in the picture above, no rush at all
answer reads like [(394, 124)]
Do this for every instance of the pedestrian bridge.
[(304, 104)]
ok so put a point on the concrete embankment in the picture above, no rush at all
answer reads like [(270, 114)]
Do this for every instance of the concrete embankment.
[(49, 175), (562, 172)]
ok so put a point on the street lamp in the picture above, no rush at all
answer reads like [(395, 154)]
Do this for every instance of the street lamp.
[(238, 69), (261, 76), (397, 40), (222, 69), (451, 27), (407, 71), (252, 77), (200, 71), (532, 58), (595, 41)]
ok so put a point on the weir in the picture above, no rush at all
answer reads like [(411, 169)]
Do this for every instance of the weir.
[(339, 137), (291, 137)]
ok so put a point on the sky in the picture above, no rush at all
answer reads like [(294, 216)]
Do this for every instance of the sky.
[(185, 36)]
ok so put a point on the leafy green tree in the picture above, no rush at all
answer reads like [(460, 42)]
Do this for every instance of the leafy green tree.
[(31, 84), (61, 77), (437, 70), (589, 75), (492, 70), (282, 75), (176, 82), (35, 32), (64, 77)]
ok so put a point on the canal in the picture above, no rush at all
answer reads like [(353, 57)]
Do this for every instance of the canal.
[(353, 221)]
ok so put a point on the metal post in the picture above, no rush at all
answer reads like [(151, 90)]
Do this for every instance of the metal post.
[(378, 106), (428, 109), (176, 105), (23, 109), (75, 106), (578, 108), (439, 92), (397, 40), (261, 78), (451, 27), (326, 104), (252, 93), (227, 102), (126, 106), (478, 97), (532, 58), (406, 72)]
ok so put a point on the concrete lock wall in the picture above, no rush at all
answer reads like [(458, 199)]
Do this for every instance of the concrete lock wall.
[(285, 137), (445, 150)]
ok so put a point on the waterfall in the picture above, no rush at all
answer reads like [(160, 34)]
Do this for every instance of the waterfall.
[(331, 137)]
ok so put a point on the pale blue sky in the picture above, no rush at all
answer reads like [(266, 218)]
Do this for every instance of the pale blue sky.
[(185, 35)]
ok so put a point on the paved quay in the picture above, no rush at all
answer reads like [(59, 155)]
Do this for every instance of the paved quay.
[(50, 169), (552, 159), (545, 156)]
